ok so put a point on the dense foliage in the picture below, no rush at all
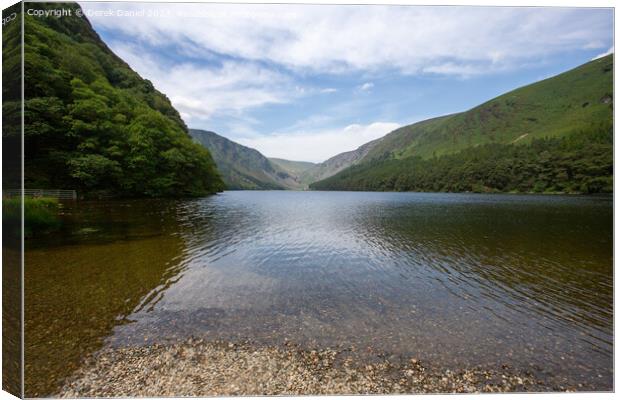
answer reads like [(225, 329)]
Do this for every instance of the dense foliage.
[(93, 124), (11, 100), (581, 162), (40, 215)]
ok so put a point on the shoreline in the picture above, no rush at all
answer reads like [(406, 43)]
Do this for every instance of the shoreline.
[(196, 367)]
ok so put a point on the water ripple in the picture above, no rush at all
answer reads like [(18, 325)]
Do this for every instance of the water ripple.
[(456, 278)]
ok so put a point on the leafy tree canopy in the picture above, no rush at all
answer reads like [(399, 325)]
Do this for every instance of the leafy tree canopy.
[(93, 124)]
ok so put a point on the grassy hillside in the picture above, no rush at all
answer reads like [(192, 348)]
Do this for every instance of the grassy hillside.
[(245, 168), (93, 124), (552, 136), (550, 108)]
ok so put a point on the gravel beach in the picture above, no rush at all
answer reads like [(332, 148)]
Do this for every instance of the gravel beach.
[(200, 368)]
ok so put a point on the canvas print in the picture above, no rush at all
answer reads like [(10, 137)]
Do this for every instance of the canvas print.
[(205, 199)]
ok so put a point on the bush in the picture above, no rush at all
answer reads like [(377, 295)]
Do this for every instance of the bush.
[(40, 215)]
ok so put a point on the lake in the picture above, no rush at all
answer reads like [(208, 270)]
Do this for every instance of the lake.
[(453, 279)]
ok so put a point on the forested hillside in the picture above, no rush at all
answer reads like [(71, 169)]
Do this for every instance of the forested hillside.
[(551, 136), (93, 124), (579, 163)]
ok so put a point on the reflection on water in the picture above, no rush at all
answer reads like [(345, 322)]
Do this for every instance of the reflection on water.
[(455, 279)]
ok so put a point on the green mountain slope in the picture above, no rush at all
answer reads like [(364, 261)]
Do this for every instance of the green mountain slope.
[(245, 168), (93, 124), (552, 136), (553, 107)]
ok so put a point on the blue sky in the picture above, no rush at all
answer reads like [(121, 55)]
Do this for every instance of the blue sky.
[(308, 82)]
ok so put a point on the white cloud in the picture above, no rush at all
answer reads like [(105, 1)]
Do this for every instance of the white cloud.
[(199, 92), (451, 68), (608, 52), (366, 86), (239, 57), (317, 146), (337, 39)]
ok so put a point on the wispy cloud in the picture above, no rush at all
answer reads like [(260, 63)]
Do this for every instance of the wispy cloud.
[(200, 91), (329, 90), (317, 146), (366, 86), (337, 39), (246, 70)]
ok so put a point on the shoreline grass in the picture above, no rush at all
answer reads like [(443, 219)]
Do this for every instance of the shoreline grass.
[(40, 215)]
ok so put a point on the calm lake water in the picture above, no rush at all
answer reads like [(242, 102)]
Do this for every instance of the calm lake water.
[(452, 279)]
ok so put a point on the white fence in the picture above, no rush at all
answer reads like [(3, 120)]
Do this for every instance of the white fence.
[(55, 193)]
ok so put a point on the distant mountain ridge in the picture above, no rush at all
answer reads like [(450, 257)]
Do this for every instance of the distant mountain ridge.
[(337, 163), (244, 168), (297, 169)]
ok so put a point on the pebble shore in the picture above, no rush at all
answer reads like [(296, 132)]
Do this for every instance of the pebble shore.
[(200, 368)]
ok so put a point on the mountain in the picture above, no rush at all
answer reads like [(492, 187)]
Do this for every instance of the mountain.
[(299, 170), (336, 164), (555, 135), (245, 168), (549, 108), (93, 124), (295, 168)]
